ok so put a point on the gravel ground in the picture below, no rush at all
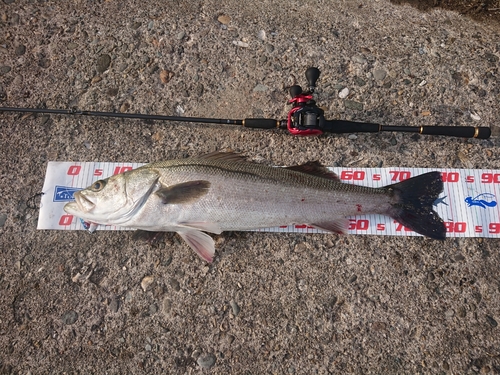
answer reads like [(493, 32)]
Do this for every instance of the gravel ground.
[(270, 303)]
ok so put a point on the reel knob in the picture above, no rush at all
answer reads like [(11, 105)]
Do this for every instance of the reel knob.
[(295, 91), (312, 75)]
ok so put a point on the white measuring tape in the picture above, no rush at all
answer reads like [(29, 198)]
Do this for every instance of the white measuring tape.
[(468, 205)]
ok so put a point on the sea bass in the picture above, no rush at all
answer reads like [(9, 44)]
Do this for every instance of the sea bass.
[(222, 191)]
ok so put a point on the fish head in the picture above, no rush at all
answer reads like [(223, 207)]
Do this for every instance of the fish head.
[(114, 200)]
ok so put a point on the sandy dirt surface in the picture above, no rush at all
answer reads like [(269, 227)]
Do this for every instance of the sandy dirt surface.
[(72, 302)]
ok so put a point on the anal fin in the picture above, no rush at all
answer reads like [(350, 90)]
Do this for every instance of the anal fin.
[(314, 168), (338, 226)]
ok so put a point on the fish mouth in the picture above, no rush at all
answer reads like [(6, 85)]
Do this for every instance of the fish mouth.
[(81, 204)]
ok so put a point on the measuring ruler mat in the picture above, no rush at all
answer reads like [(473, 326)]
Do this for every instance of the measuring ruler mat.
[(468, 205)]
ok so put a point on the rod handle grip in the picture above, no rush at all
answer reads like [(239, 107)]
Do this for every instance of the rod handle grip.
[(479, 132), (261, 123)]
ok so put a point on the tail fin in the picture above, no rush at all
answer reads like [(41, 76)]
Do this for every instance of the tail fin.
[(413, 205)]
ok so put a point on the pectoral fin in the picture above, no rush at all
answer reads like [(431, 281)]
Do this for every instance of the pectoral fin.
[(184, 192), (200, 242), (338, 226)]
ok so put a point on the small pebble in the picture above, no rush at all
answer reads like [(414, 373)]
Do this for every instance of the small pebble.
[(235, 307), (239, 43), (3, 219), (146, 282), (4, 69), (114, 305), (174, 284), (359, 59), (344, 93), (103, 63), (199, 89), (166, 306), (269, 48), (359, 81), (475, 116), (491, 321), (124, 107), (70, 317), (153, 309), (260, 88), (166, 76), (224, 19), (261, 35), (112, 91), (352, 136), (379, 74), (179, 110), (353, 105), (20, 50), (206, 361)]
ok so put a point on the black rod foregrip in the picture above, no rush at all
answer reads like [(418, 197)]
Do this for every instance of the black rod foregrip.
[(261, 123)]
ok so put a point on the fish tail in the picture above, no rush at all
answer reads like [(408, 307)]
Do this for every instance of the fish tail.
[(413, 204)]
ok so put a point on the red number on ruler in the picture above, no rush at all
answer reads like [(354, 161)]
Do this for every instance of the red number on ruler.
[(119, 170), (450, 176), (74, 170), (490, 178), (400, 227), (400, 175), (352, 175), (455, 227), (494, 228), (361, 224), (65, 220)]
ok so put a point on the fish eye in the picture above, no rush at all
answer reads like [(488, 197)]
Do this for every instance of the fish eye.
[(98, 185)]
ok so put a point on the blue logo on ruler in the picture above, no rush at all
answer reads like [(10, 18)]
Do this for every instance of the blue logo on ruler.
[(482, 200), (65, 193)]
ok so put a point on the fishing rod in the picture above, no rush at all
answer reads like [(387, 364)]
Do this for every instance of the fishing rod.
[(304, 119)]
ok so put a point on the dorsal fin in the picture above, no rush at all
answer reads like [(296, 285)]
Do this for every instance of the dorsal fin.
[(314, 168), (226, 156)]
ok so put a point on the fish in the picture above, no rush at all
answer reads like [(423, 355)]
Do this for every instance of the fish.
[(222, 191)]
